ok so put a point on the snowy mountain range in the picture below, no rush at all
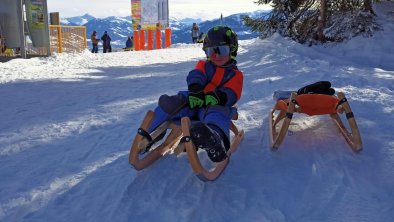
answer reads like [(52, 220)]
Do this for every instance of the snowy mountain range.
[(120, 27), (77, 20)]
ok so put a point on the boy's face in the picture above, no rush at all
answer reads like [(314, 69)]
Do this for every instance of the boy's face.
[(220, 60)]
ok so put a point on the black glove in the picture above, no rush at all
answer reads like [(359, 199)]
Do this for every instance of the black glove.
[(196, 96), (217, 97)]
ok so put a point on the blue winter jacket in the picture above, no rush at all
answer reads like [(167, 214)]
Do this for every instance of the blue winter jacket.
[(227, 79)]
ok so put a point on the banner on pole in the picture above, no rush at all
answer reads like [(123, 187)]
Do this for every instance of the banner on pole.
[(37, 20), (149, 14), (135, 13)]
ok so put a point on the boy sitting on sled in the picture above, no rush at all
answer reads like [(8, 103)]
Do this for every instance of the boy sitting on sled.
[(214, 86)]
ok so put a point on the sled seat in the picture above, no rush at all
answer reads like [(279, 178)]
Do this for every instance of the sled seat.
[(288, 103), (233, 115), (310, 104)]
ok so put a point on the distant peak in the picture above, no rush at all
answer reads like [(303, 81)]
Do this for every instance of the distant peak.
[(87, 15)]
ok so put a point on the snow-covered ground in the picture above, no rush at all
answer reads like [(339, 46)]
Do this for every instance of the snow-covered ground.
[(67, 123)]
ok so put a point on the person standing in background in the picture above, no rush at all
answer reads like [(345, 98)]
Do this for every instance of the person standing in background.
[(129, 43), (2, 45), (106, 42), (195, 32), (95, 41)]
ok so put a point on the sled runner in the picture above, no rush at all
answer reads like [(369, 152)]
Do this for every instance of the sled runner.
[(178, 140), (312, 104), (217, 169)]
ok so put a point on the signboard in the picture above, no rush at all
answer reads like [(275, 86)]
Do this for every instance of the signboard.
[(136, 13), (36, 9), (37, 20), (149, 13)]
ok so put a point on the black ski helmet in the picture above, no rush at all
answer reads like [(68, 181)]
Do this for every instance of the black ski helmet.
[(222, 35)]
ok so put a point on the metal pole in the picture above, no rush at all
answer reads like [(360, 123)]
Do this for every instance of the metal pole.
[(60, 38), (85, 44), (48, 45), (22, 30), (168, 13)]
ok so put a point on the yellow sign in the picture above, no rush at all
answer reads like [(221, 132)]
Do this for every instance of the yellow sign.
[(37, 14), (135, 13)]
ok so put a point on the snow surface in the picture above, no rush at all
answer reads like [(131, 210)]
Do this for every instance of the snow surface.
[(67, 123)]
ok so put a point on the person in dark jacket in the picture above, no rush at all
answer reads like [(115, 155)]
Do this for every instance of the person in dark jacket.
[(129, 43), (106, 42), (214, 86), (95, 42)]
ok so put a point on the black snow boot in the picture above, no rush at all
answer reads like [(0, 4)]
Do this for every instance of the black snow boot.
[(210, 140)]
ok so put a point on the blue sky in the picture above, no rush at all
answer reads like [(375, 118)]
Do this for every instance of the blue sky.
[(205, 9)]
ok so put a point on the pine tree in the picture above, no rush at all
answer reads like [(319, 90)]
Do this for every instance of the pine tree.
[(368, 6), (312, 21)]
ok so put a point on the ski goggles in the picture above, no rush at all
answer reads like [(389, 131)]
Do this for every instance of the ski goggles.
[(222, 50)]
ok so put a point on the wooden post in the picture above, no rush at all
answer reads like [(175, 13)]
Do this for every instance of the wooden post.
[(54, 18), (59, 38), (85, 44)]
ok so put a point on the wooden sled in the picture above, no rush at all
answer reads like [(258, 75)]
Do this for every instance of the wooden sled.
[(313, 104), (176, 143), (128, 49)]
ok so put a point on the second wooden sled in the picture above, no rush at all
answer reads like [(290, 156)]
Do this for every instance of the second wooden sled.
[(313, 104), (178, 140)]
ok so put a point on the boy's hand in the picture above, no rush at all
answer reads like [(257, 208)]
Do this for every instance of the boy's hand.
[(196, 96), (196, 100), (215, 98), (211, 99)]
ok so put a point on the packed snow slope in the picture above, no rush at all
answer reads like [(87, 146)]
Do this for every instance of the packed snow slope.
[(67, 123)]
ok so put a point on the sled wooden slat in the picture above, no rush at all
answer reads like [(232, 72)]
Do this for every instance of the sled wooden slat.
[(153, 155), (144, 142), (277, 137), (353, 138)]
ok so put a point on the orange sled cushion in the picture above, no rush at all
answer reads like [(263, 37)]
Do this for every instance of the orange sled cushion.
[(312, 104), (317, 104)]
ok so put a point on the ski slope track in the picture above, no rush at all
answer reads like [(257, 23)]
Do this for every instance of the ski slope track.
[(67, 123)]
